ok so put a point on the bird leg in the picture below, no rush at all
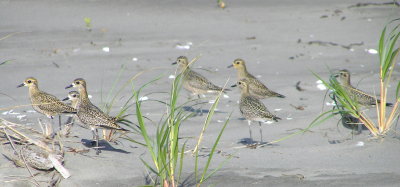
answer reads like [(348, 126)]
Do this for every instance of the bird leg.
[(50, 130), (261, 133), (251, 137), (93, 133), (59, 121), (359, 128), (97, 143), (200, 110)]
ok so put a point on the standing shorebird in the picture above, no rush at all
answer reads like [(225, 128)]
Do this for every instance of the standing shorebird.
[(256, 87), (90, 115), (45, 103), (73, 96), (194, 82), (253, 109), (355, 94)]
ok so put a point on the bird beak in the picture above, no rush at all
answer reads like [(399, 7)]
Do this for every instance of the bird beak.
[(336, 75), (230, 66), (69, 86), (234, 85), (67, 98), (19, 86), (174, 63)]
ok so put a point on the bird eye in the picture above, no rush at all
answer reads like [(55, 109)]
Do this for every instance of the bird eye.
[(77, 82), (74, 95), (237, 62), (239, 82), (29, 81)]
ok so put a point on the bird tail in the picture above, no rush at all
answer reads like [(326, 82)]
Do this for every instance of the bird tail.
[(113, 127), (276, 118), (280, 95), (387, 104), (225, 90), (122, 129), (69, 112)]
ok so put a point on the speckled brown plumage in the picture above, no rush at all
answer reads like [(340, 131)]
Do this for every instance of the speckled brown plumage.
[(43, 102), (357, 95), (193, 81), (253, 109), (256, 87), (90, 115)]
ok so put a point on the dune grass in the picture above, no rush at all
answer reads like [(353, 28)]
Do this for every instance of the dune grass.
[(165, 147), (345, 105)]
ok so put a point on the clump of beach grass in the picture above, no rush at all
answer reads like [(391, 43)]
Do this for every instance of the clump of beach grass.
[(165, 148), (346, 106)]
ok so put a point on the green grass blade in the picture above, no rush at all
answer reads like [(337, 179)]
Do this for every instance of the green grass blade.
[(217, 168), (203, 178), (319, 120), (398, 90), (381, 48), (181, 161), (149, 167)]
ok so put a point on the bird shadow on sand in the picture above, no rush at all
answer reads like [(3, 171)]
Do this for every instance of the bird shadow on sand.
[(199, 111), (103, 146), (250, 143)]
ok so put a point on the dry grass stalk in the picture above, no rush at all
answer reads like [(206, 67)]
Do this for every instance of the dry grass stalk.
[(52, 154)]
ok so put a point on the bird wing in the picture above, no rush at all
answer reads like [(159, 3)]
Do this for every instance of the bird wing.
[(92, 115), (255, 108), (48, 102), (362, 97), (198, 81)]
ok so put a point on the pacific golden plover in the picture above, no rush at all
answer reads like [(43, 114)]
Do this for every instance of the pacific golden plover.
[(252, 108), (90, 115), (256, 87), (73, 96), (45, 103), (194, 82), (359, 96)]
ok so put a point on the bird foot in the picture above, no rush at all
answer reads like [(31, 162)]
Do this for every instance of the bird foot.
[(98, 151)]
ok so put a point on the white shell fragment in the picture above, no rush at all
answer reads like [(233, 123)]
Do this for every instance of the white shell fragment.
[(360, 144), (184, 46), (171, 77), (10, 112), (22, 117), (226, 96), (320, 85), (106, 49), (134, 59), (372, 51), (144, 98), (330, 103)]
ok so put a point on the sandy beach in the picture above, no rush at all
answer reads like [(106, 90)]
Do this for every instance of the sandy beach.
[(282, 41)]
